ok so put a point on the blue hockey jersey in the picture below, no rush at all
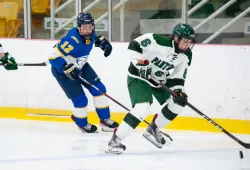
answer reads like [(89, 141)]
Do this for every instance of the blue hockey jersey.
[(71, 49)]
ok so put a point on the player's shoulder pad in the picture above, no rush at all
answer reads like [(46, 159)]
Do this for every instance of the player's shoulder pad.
[(135, 46), (75, 39), (147, 35), (73, 32), (163, 41), (189, 54), (67, 39), (72, 36), (143, 37)]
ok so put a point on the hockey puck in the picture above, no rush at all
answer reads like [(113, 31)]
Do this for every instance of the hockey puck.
[(241, 154)]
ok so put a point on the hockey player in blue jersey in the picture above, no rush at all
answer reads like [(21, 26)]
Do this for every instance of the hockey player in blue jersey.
[(69, 60)]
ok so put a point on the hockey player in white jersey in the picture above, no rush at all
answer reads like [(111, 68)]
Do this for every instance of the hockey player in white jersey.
[(166, 60)]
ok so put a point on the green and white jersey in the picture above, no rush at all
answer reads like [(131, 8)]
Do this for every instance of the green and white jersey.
[(167, 65)]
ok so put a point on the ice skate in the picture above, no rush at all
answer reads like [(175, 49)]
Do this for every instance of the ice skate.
[(108, 125), (154, 136), (89, 128), (115, 146)]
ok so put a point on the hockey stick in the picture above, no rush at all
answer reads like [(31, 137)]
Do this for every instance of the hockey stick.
[(246, 145), (85, 81), (29, 64)]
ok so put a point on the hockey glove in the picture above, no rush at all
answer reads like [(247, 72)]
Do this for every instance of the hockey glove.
[(9, 62), (71, 71), (181, 98), (145, 72), (104, 45)]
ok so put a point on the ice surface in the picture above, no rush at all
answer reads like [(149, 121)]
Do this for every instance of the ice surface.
[(38, 145)]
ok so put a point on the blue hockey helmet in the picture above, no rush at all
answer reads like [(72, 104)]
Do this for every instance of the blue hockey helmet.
[(85, 18)]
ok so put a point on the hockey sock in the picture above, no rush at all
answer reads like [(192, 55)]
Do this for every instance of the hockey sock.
[(81, 122), (102, 107), (164, 117), (129, 123), (132, 119)]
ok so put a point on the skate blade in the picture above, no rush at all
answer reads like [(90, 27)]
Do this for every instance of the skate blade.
[(116, 151), (107, 129), (83, 131), (151, 140)]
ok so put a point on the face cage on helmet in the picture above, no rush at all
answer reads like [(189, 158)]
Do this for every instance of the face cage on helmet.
[(89, 35), (191, 44)]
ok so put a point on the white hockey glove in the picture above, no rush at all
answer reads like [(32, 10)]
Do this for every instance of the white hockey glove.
[(145, 72)]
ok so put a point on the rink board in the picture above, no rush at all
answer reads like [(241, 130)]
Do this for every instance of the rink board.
[(180, 123), (218, 84)]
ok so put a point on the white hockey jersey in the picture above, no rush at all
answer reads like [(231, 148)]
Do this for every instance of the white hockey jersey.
[(167, 65)]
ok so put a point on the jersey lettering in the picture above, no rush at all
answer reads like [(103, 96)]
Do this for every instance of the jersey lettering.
[(67, 47)]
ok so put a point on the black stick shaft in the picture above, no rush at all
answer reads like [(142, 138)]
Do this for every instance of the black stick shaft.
[(111, 98), (29, 64), (246, 145)]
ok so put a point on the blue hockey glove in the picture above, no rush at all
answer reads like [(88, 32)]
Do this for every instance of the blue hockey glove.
[(71, 71), (104, 45)]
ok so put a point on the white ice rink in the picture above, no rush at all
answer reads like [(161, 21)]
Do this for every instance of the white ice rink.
[(35, 145)]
